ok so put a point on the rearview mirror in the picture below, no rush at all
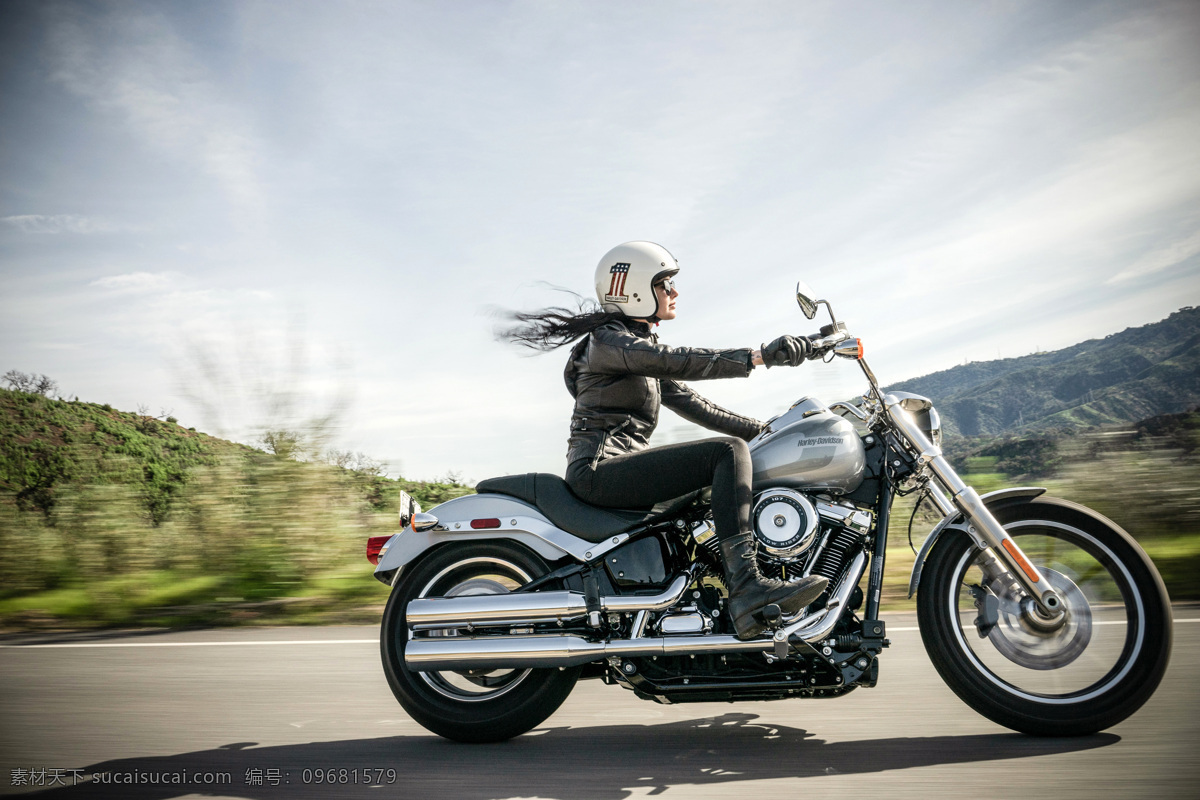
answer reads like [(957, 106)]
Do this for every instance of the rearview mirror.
[(806, 298)]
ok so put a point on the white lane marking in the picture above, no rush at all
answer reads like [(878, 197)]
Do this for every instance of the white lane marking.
[(1101, 622), (335, 641), (189, 644)]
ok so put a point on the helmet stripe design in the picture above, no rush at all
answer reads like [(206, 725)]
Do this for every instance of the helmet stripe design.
[(616, 289)]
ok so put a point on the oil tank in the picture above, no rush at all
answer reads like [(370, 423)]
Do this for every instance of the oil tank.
[(808, 447)]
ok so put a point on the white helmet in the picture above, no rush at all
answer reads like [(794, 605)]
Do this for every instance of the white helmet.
[(625, 278)]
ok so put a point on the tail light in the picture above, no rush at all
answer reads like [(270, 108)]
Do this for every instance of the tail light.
[(376, 547)]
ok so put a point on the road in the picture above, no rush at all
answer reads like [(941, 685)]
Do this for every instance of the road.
[(232, 712)]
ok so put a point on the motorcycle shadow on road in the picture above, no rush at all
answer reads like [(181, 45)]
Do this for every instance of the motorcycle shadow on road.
[(592, 763)]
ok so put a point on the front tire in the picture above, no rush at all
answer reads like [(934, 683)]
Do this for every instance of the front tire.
[(1074, 676), (468, 706)]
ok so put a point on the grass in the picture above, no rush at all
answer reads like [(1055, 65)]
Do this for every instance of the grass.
[(166, 598)]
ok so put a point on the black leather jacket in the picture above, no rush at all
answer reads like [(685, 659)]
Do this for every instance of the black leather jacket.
[(619, 374)]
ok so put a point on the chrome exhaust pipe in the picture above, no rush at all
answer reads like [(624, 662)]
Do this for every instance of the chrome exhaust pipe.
[(557, 650), (539, 652), (505, 609), (816, 626)]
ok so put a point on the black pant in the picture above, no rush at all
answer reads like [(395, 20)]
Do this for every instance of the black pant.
[(639, 480)]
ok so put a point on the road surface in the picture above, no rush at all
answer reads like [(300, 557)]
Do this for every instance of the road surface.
[(267, 713)]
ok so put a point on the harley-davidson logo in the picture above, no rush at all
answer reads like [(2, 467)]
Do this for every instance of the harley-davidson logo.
[(616, 287), (820, 440)]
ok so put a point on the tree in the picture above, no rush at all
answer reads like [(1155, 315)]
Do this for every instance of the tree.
[(30, 383)]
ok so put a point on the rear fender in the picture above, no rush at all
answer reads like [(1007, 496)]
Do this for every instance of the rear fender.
[(519, 521), (956, 521)]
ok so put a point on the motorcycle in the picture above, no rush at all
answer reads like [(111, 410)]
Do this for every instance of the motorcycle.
[(1040, 614)]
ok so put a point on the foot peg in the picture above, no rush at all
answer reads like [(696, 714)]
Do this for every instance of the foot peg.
[(772, 614)]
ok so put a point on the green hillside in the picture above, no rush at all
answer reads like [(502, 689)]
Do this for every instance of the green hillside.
[(1125, 377), (112, 517)]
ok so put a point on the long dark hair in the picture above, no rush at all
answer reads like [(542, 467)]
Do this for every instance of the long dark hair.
[(556, 326)]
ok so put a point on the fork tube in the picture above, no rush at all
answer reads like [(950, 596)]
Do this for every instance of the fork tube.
[(883, 514), (986, 530), (940, 500)]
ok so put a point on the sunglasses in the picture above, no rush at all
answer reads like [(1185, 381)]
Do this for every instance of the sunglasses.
[(667, 285)]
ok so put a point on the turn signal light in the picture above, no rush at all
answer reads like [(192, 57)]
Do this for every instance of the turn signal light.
[(850, 348)]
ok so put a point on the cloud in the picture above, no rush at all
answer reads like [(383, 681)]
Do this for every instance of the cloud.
[(133, 63), (137, 282), (59, 223), (1159, 260)]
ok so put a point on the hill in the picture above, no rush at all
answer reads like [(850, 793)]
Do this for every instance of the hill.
[(1125, 377), (114, 517)]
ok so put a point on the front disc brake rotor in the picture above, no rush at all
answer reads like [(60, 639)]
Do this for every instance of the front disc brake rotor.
[(1026, 638)]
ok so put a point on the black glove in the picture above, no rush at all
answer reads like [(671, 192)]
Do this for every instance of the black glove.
[(786, 351)]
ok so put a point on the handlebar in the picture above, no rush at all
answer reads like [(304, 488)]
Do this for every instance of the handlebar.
[(827, 341)]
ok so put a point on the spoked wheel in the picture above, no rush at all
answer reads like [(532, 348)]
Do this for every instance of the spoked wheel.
[(1073, 673), (472, 705)]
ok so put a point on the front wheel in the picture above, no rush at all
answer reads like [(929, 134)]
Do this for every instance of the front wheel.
[(473, 705), (1080, 672)]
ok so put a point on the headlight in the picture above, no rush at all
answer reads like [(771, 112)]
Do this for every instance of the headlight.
[(931, 423)]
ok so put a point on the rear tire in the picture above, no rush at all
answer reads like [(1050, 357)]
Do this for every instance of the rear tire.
[(469, 707), (1086, 675)]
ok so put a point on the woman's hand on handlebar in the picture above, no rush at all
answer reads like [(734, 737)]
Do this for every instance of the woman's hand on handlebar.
[(786, 351)]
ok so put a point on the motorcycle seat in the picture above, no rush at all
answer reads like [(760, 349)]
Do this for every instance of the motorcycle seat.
[(551, 495)]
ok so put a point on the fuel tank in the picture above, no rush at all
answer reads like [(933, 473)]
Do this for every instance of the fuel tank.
[(808, 447)]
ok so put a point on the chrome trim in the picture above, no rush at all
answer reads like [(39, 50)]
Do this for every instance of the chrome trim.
[(845, 515), (817, 626), (1139, 621), (941, 501), (805, 298), (501, 609), (985, 529), (494, 609), (678, 624), (658, 602), (850, 348), (954, 520), (424, 521), (854, 410), (518, 652), (804, 538)]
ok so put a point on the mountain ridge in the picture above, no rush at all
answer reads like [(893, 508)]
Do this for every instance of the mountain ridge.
[(1126, 376)]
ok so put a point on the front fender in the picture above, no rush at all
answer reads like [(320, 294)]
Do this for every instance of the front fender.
[(519, 521), (955, 520)]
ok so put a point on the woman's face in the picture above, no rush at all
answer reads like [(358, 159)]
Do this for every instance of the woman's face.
[(666, 293)]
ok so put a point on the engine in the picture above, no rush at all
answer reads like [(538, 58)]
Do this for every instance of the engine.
[(799, 534)]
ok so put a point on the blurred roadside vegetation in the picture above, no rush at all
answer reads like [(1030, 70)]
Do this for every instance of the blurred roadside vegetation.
[(1145, 477), (114, 518)]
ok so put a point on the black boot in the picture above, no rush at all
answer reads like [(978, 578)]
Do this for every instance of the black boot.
[(750, 592)]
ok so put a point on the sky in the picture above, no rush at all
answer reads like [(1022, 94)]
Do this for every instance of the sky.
[(254, 215)]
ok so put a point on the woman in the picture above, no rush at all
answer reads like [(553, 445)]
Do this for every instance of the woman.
[(619, 374)]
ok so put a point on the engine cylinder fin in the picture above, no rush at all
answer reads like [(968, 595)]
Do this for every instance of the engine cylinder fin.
[(836, 555)]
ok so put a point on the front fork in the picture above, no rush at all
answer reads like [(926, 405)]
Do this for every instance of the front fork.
[(983, 528)]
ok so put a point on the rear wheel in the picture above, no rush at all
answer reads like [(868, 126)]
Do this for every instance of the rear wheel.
[(1077, 673), (474, 705)]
